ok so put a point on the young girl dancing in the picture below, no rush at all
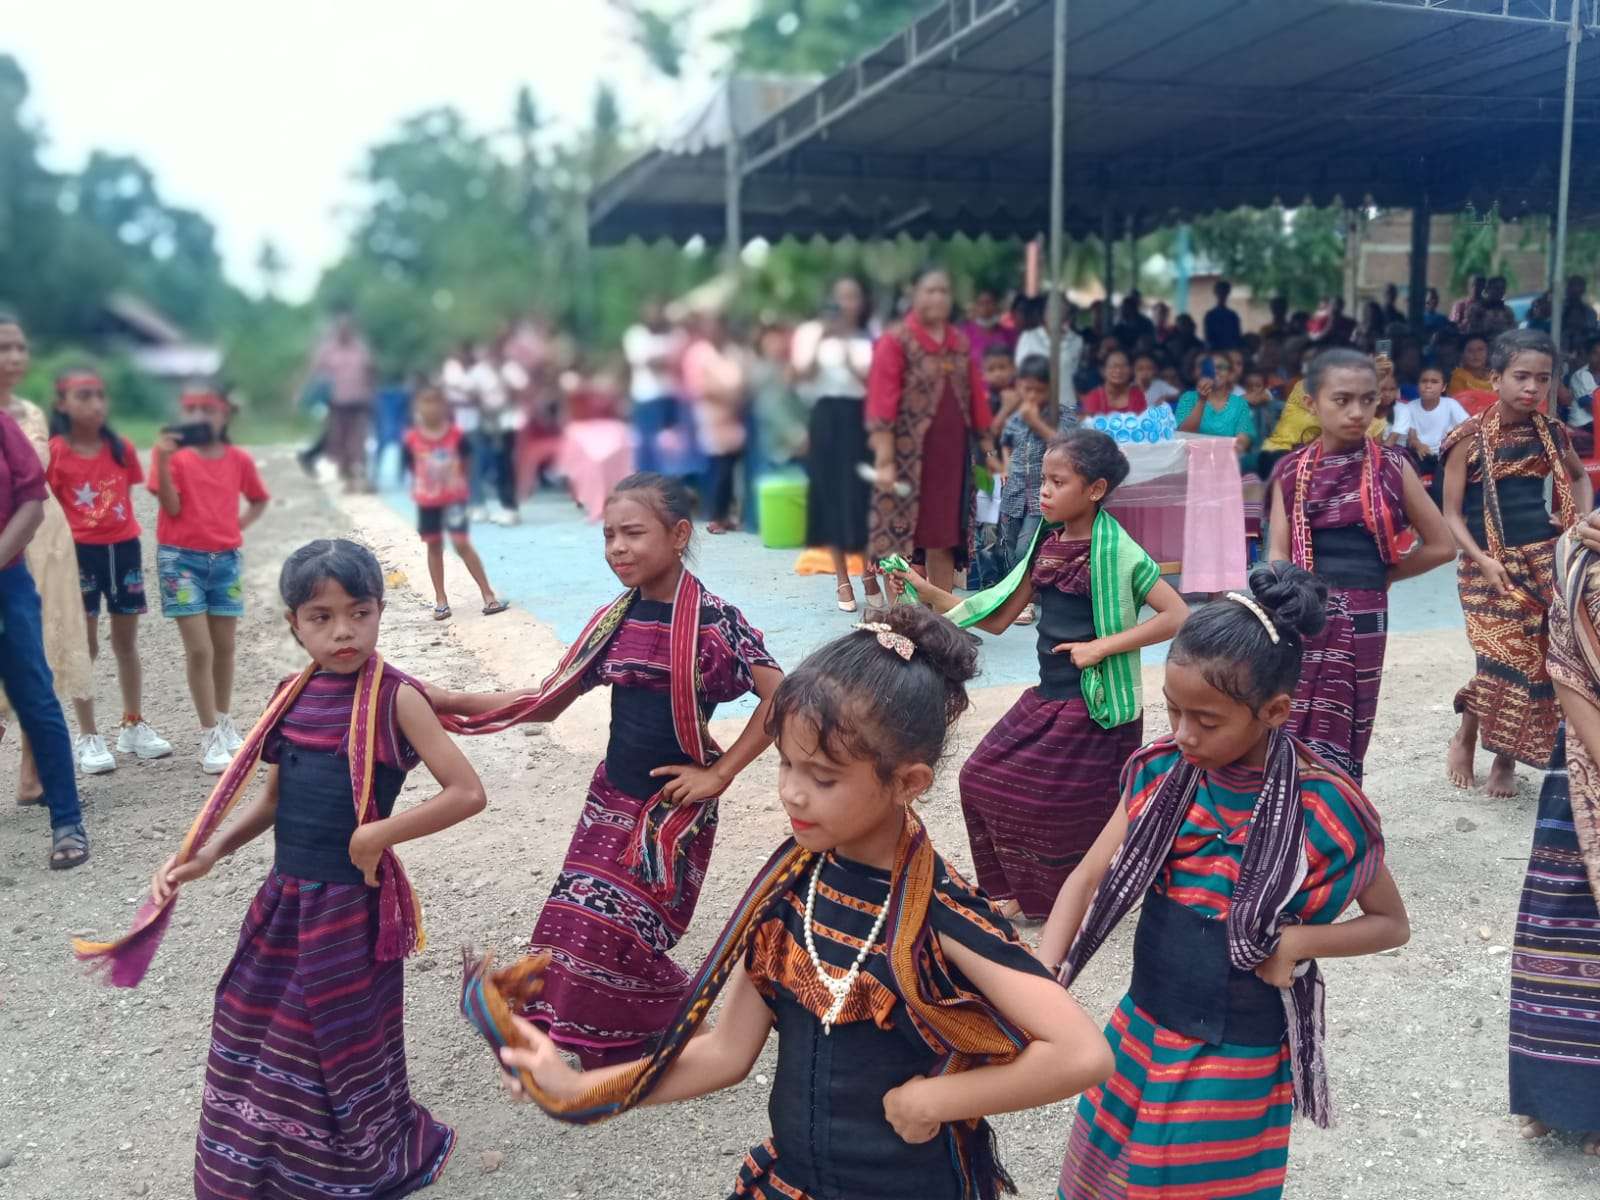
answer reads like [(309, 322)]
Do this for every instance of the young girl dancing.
[(906, 1009), (92, 472), (198, 536), (1506, 575), (1244, 850), (1029, 821), (306, 1092), (1338, 508), (627, 891)]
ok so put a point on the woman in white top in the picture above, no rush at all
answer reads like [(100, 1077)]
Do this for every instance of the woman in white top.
[(1035, 339), (1580, 411), (490, 383), (830, 359)]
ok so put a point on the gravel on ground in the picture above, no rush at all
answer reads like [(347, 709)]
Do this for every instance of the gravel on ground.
[(100, 1088)]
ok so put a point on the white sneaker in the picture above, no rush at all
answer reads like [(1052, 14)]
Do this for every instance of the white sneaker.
[(93, 757), (214, 755), (506, 516), (229, 732), (143, 741), (477, 514)]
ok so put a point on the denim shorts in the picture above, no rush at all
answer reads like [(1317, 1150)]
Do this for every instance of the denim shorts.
[(196, 581), (115, 572)]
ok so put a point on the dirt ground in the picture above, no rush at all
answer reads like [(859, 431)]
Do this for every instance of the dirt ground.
[(99, 1088)]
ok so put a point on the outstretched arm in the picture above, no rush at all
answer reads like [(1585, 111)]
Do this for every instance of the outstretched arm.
[(472, 704), (942, 601), (720, 1057), (254, 819)]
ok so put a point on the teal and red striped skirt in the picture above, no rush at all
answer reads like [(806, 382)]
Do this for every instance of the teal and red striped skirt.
[(1181, 1119)]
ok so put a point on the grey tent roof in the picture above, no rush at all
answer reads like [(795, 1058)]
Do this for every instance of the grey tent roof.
[(1174, 107)]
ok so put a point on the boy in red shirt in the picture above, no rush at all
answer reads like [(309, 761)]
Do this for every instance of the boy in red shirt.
[(439, 457), (198, 538), (92, 472)]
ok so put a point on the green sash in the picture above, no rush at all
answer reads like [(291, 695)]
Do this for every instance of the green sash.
[(1121, 575)]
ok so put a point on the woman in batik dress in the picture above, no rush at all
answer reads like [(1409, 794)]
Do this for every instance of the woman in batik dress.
[(1506, 576)]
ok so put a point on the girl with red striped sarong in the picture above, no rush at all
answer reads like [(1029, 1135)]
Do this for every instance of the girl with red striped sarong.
[(1339, 506), (1244, 847), (306, 1094), (905, 1008), (1040, 786), (1495, 467), (671, 652)]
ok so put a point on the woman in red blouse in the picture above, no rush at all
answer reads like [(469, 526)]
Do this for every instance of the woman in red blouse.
[(925, 402), (1117, 394)]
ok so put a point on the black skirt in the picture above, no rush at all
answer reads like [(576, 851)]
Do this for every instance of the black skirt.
[(837, 499)]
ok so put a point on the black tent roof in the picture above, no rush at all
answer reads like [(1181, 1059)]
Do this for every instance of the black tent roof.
[(1174, 107)]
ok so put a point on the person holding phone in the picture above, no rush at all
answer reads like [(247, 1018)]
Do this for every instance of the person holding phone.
[(200, 479), (1214, 409)]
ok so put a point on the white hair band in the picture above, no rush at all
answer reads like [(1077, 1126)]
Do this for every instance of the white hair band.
[(1261, 614)]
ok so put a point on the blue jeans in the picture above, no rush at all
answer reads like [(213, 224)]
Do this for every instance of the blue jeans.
[(28, 686), (650, 419)]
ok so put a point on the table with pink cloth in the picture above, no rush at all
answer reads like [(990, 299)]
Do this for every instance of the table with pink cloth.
[(594, 457), (1183, 502)]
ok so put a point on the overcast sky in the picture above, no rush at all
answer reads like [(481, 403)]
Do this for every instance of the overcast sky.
[(257, 114)]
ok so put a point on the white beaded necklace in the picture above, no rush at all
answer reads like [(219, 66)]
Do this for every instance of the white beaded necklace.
[(839, 989)]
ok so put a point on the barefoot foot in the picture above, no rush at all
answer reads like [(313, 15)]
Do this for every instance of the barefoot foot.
[(1531, 1128), (1010, 909), (1458, 763), (1591, 1145), (1503, 777)]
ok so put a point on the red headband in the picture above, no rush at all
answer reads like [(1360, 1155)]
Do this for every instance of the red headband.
[(78, 379), (204, 400)]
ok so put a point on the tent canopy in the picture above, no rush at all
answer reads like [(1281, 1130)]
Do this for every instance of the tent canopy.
[(1174, 108)]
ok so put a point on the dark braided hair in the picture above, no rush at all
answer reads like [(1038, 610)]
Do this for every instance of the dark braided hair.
[(349, 564), (1232, 650), (867, 702)]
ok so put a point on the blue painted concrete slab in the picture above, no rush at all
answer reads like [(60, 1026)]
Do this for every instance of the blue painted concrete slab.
[(553, 566)]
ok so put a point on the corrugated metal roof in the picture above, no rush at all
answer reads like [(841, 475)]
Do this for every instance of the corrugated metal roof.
[(1175, 107)]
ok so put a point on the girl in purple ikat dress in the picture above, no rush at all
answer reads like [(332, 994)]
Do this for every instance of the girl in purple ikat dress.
[(671, 652), (306, 1093)]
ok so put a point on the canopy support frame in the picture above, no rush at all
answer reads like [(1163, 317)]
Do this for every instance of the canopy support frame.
[(1058, 154), (1559, 303)]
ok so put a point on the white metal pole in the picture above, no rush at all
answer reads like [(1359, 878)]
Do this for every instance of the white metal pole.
[(1558, 290), (733, 217), (1058, 156)]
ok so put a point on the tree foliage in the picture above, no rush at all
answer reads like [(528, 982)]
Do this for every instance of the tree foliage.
[(1297, 253), (803, 36)]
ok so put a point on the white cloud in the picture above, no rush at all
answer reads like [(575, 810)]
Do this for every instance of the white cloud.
[(258, 115)]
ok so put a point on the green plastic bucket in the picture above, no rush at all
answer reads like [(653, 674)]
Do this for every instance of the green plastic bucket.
[(781, 503)]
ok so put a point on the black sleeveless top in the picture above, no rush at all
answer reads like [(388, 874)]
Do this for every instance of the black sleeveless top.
[(317, 813), (1347, 557)]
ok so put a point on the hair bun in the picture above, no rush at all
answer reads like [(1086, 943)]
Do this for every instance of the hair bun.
[(1294, 598), (948, 649)]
